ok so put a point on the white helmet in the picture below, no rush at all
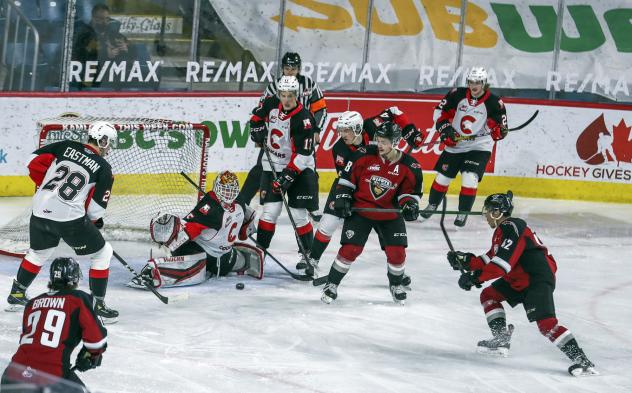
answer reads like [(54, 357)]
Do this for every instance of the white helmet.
[(104, 134), (288, 83), (226, 187), (477, 74), (352, 120)]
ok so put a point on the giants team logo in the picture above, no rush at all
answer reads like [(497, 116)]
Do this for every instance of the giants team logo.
[(379, 186), (597, 145)]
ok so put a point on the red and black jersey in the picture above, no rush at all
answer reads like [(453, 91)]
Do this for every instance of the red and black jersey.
[(290, 135), (471, 116), (73, 179), (53, 325), (344, 153), (379, 183), (517, 255)]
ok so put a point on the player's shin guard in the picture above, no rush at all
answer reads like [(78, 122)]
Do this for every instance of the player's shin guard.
[(265, 232), (494, 312), (306, 235), (437, 192)]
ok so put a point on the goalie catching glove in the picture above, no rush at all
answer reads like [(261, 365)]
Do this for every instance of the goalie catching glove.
[(168, 230)]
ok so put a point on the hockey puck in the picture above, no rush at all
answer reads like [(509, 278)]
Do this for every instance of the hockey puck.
[(240, 285)]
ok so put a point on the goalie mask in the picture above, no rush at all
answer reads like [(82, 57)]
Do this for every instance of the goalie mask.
[(104, 134), (226, 187)]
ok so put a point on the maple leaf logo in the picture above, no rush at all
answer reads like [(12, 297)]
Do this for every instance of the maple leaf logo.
[(622, 142), (596, 145)]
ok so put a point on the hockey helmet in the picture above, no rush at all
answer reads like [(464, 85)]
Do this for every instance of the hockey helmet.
[(288, 83), (391, 131), (291, 59), (65, 271), (499, 202), (104, 134), (226, 187), (477, 74), (350, 120)]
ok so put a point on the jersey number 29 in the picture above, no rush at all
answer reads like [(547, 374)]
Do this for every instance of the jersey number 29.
[(51, 333)]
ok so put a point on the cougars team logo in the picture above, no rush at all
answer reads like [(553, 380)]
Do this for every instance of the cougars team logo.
[(379, 186)]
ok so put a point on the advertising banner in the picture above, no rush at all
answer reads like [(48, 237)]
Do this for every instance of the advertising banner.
[(568, 143)]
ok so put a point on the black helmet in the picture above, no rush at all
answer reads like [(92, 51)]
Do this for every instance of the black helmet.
[(501, 202), (389, 130), (291, 59), (64, 272)]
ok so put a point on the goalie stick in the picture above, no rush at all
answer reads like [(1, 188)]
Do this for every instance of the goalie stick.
[(447, 238), (162, 298), (300, 277)]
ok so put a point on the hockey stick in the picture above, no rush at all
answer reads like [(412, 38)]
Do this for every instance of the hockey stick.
[(299, 277), (301, 246), (471, 138), (447, 238), (162, 298), (380, 210)]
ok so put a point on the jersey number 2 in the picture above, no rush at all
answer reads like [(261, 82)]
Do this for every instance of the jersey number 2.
[(53, 326)]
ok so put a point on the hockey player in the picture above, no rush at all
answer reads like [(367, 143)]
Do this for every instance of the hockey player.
[(54, 323), (471, 120), (312, 99), (74, 185), (290, 143), (524, 272), (354, 133), (203, 244), (383, 177)]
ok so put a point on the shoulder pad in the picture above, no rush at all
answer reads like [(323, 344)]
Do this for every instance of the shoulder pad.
[(512, 226)]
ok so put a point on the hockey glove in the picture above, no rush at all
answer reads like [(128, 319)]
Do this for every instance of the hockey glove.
[(168, 230), (87, 360), (498, 132), (98, 223), (410, 208), (258, 132), (460, 260), (343, 201), (413, 136), (469, 279), (283, 182), (447, 133)]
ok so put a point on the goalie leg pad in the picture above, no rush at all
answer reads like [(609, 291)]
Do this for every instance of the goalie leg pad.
[(252, 258), (175, 271)]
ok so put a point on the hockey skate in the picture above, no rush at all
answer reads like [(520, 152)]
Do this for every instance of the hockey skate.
[(330, 293), (426, 213), (406, 281), (107, 315), (460, 220), (302, 262), (312, 267), (17, 298), (582, 367), (498, 345), (398, 293)]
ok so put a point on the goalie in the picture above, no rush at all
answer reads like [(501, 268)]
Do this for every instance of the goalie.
[(202, 244)]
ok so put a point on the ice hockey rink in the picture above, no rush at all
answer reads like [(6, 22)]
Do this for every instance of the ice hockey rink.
[(277, 336)]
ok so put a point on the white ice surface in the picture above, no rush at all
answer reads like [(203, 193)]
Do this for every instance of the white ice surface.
[(276, 335)]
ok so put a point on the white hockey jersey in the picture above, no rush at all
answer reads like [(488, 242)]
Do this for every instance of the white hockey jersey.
[(469, 117), (73, 181), (215, 228)]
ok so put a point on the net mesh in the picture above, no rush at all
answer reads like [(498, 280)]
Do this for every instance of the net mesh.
[(146, 164)]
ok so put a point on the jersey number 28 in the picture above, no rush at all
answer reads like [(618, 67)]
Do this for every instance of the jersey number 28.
[(74, 182)]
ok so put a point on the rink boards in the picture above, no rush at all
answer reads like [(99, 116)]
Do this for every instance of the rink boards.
[(570, 151)]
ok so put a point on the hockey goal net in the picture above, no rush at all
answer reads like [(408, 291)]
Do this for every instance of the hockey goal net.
[(146, 165)]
